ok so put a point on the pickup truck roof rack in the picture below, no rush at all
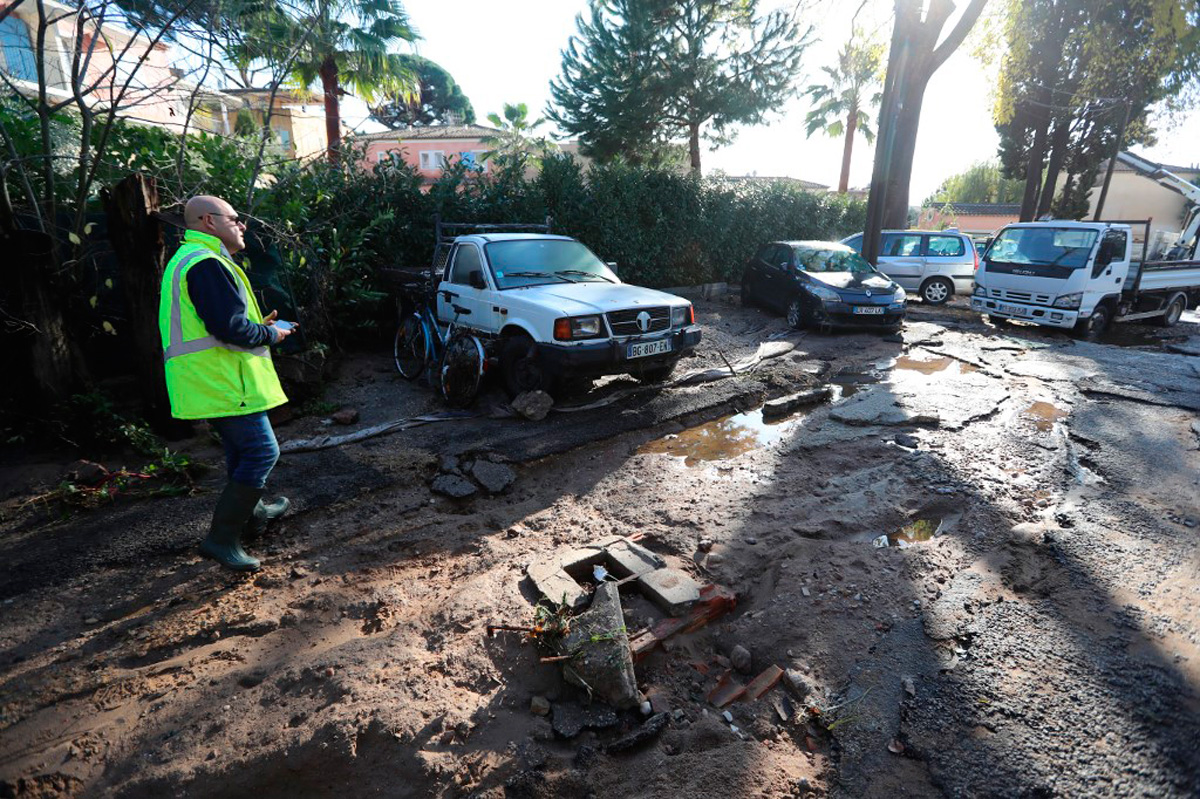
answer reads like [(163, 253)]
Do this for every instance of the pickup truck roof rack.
[(447, 232)]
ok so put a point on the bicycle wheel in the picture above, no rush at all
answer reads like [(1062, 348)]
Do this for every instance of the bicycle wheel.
[(410, 348), (461, 370)]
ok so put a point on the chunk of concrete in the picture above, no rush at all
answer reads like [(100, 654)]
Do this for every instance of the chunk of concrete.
[(598, 648), (453, 486), (777, 408), (494, 477), (672, 590), (555, 584), (628, 558)]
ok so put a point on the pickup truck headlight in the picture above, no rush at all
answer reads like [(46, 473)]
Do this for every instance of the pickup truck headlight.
[(825, 294), (980, 291), (572, 327), (683, 315), (1069, 300)]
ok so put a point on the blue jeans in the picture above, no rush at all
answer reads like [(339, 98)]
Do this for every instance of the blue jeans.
[(250, 447)]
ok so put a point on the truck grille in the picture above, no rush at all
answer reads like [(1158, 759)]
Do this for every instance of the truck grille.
[(625, 323), (1021, 296)]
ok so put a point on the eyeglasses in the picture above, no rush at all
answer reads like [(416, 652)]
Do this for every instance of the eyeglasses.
[(234, 218)]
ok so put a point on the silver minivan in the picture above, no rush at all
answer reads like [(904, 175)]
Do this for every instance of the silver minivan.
[(934, 264)]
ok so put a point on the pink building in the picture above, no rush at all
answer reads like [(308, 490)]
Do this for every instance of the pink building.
[(428, 150)]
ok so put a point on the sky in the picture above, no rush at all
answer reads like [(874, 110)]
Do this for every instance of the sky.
[(510, 51)]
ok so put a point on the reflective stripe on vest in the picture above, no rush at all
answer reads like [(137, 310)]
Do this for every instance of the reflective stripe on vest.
[(177, 345)]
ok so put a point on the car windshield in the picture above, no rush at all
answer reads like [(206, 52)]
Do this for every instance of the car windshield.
[(536, 262), (812, 259), (1043, 246)]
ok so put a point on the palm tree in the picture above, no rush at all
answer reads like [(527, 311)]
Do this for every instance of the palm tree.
[(516, 142), (346, 44), (843, 101)]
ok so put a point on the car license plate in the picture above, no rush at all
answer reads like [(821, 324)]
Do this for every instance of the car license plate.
[(868, 309), (1015, 310), (642, 349)]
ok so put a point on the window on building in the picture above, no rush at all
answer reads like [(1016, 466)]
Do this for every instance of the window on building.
[(285, 137), (433, 159), (16, 49)]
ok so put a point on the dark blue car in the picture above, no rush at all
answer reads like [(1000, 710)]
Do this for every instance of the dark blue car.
[(822, 284)]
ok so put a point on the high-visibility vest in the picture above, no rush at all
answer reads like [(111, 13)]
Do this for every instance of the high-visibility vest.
[(208, 378)]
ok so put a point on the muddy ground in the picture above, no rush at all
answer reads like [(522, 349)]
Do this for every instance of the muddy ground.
[(1030, 631)]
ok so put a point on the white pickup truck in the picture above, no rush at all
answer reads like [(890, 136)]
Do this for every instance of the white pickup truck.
[(551, 310), (1079, 275)]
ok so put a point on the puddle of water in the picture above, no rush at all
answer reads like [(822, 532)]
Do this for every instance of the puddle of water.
[(1044, 415), (911, 533), (847, 384), (942, 363), (721, 439)]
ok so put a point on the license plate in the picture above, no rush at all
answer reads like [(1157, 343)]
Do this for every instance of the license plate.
[(868, 309), (643, 348), (1015, 310)]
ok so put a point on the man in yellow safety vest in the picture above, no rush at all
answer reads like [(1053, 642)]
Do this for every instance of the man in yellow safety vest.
[(218, 367)]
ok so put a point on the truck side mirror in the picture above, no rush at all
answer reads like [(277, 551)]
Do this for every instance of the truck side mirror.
[(475, 280), (613, 266)]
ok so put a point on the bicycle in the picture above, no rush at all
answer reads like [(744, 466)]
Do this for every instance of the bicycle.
[(459, 354)]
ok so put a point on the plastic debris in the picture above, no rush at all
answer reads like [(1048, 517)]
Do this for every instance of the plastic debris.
[(880, 542)]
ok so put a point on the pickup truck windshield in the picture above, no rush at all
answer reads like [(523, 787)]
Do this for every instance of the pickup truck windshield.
[(1043, 246), (536, 262)]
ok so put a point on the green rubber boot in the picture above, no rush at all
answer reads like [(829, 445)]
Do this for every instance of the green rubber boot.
[(224, 542), (264, 512)]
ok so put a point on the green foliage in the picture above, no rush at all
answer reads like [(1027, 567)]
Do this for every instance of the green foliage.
[(438, 99), (516, 144), (643, 73), (982, 182), (850, 90)]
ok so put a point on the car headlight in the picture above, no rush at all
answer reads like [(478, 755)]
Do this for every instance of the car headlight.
[(900, 295), (980, 291), (828, 295), (1069, 300), (683, 315), (573, 327)]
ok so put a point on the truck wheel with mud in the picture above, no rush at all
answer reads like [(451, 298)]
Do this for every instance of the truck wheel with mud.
[(936, 290), (1175, 309), (657, 374), (520, 367), (1091, 328), (795, 314)]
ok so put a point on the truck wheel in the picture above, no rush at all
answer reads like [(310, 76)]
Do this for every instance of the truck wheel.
[(936, 290), (656, 375), (1174, 310), (521, 368), (1091, 328), (795, 313)]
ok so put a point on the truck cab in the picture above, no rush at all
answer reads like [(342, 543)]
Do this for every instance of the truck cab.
[(1053, 273), (1080, 275)]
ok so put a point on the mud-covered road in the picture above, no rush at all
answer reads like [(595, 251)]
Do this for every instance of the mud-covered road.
[(1031, 630)]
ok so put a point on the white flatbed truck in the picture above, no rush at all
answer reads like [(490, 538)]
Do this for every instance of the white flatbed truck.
[(1080, 275)]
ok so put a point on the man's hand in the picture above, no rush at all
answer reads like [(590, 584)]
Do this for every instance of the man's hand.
[(280, 332)]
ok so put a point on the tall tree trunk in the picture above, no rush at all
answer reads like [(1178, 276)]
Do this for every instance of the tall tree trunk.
[(1033, 167), (333, 119), (847, 150), (908, 121), (45, 372), (694, 145), (137, 239), (1059, 142)]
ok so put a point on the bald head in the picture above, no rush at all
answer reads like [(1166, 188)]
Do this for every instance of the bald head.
[(214, 216)]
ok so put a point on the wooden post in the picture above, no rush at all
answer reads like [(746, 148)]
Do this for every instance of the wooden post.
[(136, 236)]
